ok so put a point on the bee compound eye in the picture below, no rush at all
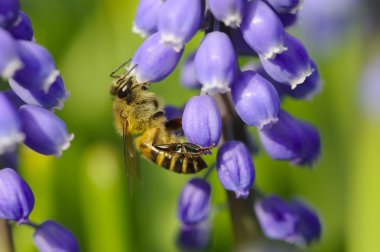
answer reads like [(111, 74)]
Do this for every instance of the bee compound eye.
[(122, 92)]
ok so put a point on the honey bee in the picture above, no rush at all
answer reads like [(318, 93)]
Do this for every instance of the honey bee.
[(137, 112)]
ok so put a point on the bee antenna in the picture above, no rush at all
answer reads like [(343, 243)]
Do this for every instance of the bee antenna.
[(112, 75), (125, 125)]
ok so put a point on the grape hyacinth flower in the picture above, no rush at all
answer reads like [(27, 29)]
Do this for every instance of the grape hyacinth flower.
[(153, 60), (10, 126), (51, 236), (262, 30), (215, 63), (178, 22), (146, 17), (235, 167), (32, 86), (22, 29), (16, 197), (201, 121), (194, 202), (45, 132), (231, 99), (256, 100), (293, 221)]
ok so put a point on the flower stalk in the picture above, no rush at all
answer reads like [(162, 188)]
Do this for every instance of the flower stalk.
[(6, 238)]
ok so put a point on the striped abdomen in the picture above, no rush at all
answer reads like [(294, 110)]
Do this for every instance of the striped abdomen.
[(176, 162)]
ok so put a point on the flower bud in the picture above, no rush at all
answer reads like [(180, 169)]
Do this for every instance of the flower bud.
[(178, 21), (262, 29), (10, 126), (201, 121), (286, 6), (230, 12), (153, 60), (235, 168), (276, 218), (53, 99), (291, 139), (9, 10), (45, 132), (51, 236), (288, 19), (39, 71), (145, 22), (256, 100), (22, 29), (194, 202), (215, 63), (292, 66), (9, 159), (9, 59), (16, 197), (308, 228), (188, 76), (193, 237)]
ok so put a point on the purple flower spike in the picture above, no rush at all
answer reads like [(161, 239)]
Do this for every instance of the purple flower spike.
[(215, 63), (16, 197), (178, 21), (235, 167), (53, 99), (194, 202), (188, 76), (8, 12), (45, 132), (276, 218), (286, 6), (22, 29), (153, 60), (51, 236), (193, 237), (201, 121), (310, 87), (262, 29), (230, 12), (9, 59), (292, 66), (39, 71), (10, 126), (146, 17), (256, 100), (308, 229), (291, 139)]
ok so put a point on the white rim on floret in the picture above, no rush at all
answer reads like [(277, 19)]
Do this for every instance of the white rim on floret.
[(50, 80), (273, 51), (215, 88), (10, 141), (297, 7), (301, 79), (267, 123), (65, 145), (233, 20), (141, 32), (12, 66), (172, 41)]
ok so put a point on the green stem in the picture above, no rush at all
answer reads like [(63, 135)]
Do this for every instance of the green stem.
[(243, 220), (6, 239)]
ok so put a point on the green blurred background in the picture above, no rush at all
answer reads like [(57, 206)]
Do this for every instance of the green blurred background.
[(86, 189)]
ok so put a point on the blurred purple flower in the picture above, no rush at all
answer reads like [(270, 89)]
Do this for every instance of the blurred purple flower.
[(146, 17), (9, 58), (16, 197), (51, 236), (194, 237), (9, 10), (194, 202), (22, 29)]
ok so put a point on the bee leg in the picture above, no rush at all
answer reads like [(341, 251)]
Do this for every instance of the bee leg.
[(156, 137)]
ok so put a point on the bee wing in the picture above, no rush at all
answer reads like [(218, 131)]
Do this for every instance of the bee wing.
[(130, 156)]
